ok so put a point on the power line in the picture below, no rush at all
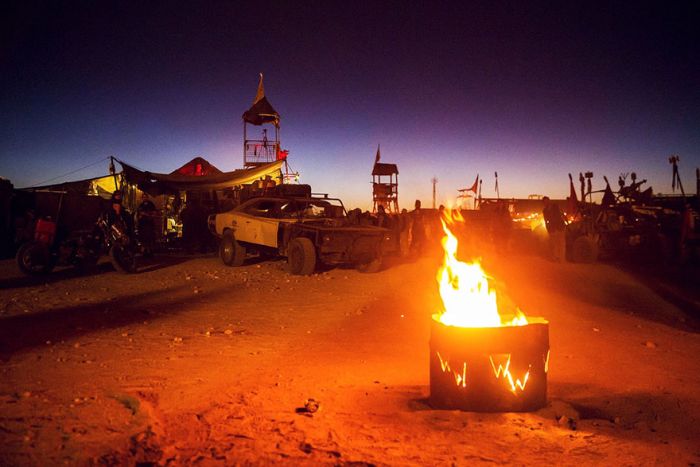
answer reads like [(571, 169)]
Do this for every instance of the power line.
[(69, 173)]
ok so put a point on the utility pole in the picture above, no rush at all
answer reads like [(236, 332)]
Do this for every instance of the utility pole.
[(434, 180)]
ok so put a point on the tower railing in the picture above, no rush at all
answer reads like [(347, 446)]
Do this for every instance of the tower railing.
[(262, 151)]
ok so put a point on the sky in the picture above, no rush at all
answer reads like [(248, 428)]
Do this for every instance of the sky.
[(530, 90)]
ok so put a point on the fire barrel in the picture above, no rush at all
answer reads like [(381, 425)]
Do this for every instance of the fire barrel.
[(492, 369)]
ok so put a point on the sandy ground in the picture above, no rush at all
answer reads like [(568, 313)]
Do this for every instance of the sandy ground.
[(191, 362)]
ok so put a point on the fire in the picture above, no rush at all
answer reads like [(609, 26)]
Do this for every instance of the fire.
[(464, 289)]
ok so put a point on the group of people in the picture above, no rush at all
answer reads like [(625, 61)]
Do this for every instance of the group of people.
[(411, 228), (146, 225), (414, 228)]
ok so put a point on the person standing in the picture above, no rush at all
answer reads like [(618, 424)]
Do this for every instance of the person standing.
[(417, 229), (116, 214), (146, 224), (556, 228)]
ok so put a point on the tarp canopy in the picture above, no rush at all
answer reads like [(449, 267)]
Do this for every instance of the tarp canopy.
[(261, 112), (102, 186), (197, 167), (157, 183)]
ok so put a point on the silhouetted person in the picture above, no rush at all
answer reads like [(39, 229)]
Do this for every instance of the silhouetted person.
[(417, 229), (556, 228), (502, 228), (146, 214), (117, 214), (383, 218)]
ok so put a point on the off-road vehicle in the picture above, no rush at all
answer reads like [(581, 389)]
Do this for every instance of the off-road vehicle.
[(308, 230)]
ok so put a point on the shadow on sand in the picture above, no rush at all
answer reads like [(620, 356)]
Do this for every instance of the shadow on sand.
[(22, 332)]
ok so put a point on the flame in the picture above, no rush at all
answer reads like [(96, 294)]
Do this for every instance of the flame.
[(464, 289)]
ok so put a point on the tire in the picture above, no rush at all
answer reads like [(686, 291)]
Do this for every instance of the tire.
[(231, 252), (34, 258), (584, 250), (301, 256), (371, 267), (123, 259)]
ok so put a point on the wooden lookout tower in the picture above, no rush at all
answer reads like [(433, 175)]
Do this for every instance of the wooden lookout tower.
[(385, 185), (264, 147)]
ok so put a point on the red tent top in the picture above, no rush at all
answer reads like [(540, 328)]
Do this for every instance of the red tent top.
[(197, 167)]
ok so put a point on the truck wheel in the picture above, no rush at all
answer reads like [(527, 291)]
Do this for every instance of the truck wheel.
[(584, 250), (231, 252), (34, 258), (371, 267), (301, 256)]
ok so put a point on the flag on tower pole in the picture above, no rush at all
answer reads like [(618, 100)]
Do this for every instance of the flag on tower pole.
[(475, 186), (573, 200), (261, 90), (376, 159)]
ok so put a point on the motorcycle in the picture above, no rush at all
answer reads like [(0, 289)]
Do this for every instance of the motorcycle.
[(80, 249), (122, 248)]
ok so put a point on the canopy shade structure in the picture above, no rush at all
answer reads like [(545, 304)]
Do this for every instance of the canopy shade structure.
[(102, 186), (157, 183), (385, 169), (261, 112)]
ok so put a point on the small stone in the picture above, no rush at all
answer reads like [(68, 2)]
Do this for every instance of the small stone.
[(26, 394), (177, 339), (76, 345), (650, 344), (228, 332), (596, 330), (312, 405)]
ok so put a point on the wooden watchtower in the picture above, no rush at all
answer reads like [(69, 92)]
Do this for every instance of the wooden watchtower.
[(266, 147), (385, 185)]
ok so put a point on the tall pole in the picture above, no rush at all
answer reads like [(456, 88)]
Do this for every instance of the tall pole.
[(434, 180)]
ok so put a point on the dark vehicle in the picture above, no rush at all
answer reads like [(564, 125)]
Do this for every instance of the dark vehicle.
[(122, 248), (307, 230), (623, 231), (80, 249)]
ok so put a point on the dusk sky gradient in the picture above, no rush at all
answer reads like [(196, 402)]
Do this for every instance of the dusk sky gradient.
[(449, 89)]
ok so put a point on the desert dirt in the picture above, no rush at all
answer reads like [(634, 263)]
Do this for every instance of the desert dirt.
[(190, 362)]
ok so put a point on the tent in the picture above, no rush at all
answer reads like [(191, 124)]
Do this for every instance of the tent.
[(197, 167)]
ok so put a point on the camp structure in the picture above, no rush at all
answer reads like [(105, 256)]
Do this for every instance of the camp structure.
[(264, 148), (199, 176), (102, 186)]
